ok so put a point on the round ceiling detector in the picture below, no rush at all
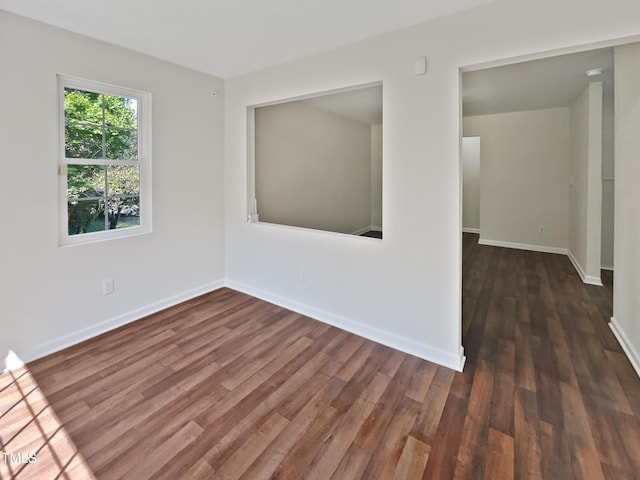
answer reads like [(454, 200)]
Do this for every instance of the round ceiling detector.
[(593, 72)]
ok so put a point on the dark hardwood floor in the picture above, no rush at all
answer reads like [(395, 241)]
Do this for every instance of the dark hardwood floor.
[(227, 386)]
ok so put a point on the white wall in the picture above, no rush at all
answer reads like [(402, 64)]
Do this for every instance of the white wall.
[(471, 184), (52, 296), (608, 178), (585, 192), (406, 289), (626, 286), (376, 176), (524, 176), (313, 168)]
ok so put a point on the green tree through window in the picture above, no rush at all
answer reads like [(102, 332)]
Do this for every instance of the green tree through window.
[(104, 128)]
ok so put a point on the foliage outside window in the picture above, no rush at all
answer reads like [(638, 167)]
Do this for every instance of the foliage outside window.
[(104, 161)]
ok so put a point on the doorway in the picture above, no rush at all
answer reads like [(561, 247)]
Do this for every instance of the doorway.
[(544, 130)]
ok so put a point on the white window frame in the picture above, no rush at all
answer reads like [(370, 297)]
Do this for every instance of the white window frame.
[(143, 162)]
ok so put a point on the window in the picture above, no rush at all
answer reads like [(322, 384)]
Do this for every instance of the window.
[(105, 163)]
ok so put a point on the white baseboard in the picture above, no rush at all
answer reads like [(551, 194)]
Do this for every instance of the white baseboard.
[(588, 279), (523, 246), (470, 230), (360, 231), (625, 343), (90, 331), (370, 228), (384, 337), (591, 280)]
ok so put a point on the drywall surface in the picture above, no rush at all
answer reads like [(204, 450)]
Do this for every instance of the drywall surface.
[(608, 178), (594, 185), (52, 295), (578, 178), (585, 190), (524, 176), (376, 176), (313, 168), (408, 285), (471, 183), (626, 283)]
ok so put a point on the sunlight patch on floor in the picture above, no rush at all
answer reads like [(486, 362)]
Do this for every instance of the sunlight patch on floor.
[(33, 442)]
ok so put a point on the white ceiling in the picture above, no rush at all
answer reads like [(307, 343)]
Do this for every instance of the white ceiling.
[(363, 105), (230, 37), (545, 83)]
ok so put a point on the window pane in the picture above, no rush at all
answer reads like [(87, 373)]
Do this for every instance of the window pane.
[(121, 144), (124, 212), (100, 126), (123, 180), (120, 112), (82, 141), (129, 212), (82, 106), (85, 216), (85, 181)]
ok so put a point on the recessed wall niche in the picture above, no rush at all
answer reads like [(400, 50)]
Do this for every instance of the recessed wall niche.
[(316, 162)]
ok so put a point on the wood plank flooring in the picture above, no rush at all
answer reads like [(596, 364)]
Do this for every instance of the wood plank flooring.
[(226, 386)]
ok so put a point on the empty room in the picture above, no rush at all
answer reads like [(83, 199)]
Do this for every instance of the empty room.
[(238, 240)]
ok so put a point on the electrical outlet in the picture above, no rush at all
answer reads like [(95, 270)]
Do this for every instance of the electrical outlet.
[(108, 286), (541, 229), (303, 274)]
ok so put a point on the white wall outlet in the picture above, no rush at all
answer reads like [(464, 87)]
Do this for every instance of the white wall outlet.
[(108, 286), (303, 274)]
